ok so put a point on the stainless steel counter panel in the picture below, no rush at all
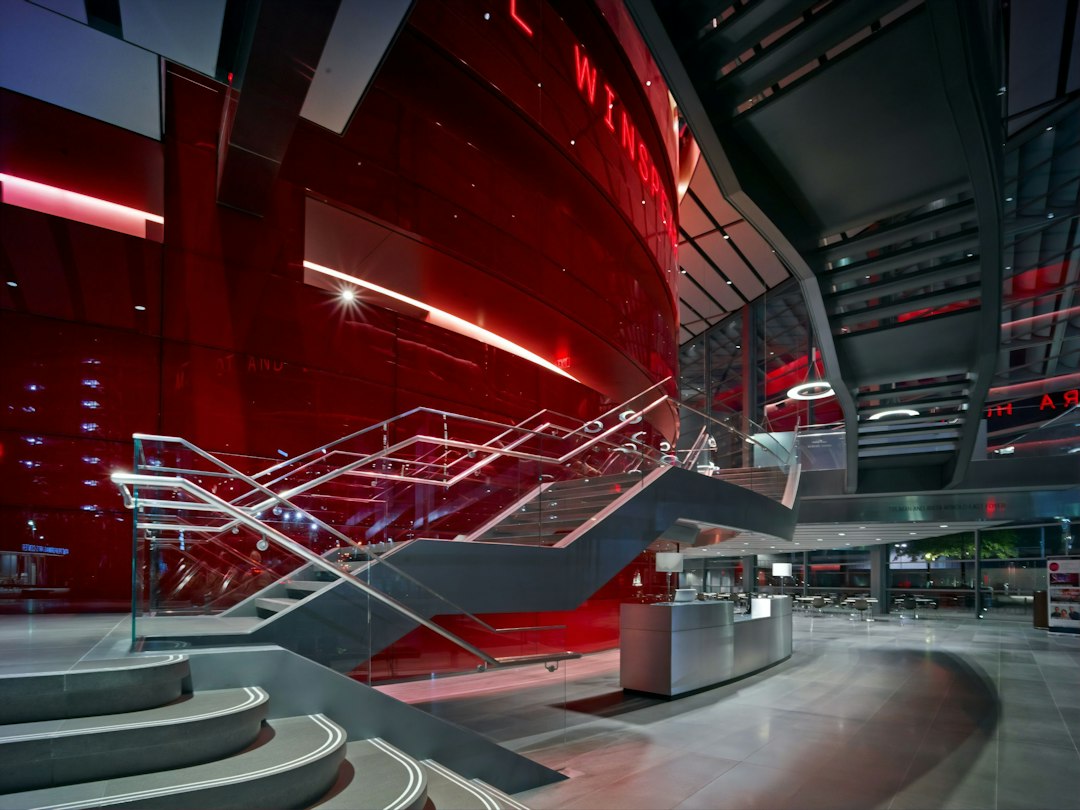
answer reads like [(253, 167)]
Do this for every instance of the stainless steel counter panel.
[(673, 616), (762, 642), (670, 649)]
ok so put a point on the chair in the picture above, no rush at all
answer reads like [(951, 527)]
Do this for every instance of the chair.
[(910, 603), (819, 605), (861, 606)]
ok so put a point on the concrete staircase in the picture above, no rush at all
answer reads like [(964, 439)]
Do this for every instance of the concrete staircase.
[(136, 733)]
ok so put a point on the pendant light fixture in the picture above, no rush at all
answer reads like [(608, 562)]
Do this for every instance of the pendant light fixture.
[(813, 387)]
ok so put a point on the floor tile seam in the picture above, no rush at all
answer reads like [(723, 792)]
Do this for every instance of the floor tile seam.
[(1068, 728)]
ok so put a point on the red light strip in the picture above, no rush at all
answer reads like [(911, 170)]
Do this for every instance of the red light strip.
[(60, 202), (447, 321), (1046, 319)]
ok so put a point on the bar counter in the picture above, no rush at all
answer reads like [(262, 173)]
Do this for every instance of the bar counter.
[(672, 648)]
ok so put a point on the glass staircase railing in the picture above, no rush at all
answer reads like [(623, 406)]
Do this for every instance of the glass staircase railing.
[(245, 538)]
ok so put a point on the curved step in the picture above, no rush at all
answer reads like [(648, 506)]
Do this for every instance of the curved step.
[(378, 777), (103, 687), (294, 765), (448, 789), (207, 726)]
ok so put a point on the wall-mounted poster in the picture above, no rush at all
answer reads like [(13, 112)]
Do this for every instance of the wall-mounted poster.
[(1063, 595)]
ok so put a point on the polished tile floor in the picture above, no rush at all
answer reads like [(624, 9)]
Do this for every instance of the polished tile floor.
[(943, 712), (936, 713)]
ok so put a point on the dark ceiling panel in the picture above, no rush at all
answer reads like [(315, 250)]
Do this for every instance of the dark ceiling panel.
[(862, 139)]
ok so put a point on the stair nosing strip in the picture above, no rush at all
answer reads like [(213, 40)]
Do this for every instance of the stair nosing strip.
[(463, 783), (335, 736), (171, 659), (413, 768), (501, 795), (255, 696)]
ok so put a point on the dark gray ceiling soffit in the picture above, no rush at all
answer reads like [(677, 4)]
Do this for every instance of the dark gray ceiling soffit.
[(287, 43), (964, 35), (857, 120)]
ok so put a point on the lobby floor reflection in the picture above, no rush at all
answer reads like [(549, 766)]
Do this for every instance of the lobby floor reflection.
[(937, 713)]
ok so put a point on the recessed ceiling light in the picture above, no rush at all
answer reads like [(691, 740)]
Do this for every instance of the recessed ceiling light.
[(727, 236), (841, 534), (943, 526), (1049, 129), (348, 296), (912, 532), (13, 284), (140, 308), (648, 82)]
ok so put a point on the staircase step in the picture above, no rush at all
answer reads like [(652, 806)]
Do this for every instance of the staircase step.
[(448, 789), (103, 687), (295, 762), (375, 776), (267, 606), (303, 588), (204, 726)]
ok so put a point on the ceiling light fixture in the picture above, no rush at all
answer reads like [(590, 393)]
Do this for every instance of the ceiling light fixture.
[(813, 387), (811, 390), (893, 412)]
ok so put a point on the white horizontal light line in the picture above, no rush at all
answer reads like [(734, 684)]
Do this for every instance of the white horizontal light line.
[(444, 319)]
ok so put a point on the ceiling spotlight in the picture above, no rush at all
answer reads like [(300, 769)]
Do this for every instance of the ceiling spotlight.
[(811, 390), (894, 412), (348, 295)]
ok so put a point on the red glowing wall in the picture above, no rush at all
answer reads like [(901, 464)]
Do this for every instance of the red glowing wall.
[(213, 335)]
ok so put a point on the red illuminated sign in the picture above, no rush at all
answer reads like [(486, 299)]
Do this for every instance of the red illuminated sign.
[(588, 78), (524, 26), (1064, 400)]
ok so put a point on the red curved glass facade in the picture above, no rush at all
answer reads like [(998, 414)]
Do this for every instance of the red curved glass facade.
[(516, 199)]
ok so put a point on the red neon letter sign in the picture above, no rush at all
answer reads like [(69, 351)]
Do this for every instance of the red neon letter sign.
[(521, 23)]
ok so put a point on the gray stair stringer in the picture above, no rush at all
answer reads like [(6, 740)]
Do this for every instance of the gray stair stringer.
[(332, 626), (501, 578), (300, 686)]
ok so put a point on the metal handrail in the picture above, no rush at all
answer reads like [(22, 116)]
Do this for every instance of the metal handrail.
[(124, 480), (750, 439), (621, 406)]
